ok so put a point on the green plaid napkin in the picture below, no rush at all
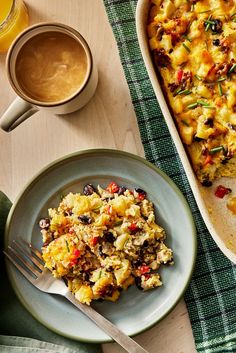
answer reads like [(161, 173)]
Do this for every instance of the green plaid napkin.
[(211, 296), (19, 331)]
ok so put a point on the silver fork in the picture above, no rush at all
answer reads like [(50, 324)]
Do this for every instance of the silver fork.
[(28, 260)]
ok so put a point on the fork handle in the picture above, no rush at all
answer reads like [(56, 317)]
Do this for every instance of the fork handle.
[(125, 341)]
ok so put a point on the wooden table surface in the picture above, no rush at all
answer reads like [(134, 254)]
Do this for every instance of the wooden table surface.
[(107, 121)]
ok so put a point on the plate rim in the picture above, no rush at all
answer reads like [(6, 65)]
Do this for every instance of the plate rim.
[(79, 153)]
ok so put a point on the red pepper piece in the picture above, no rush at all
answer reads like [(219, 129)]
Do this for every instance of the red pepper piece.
[(133, 227), (112, 187), (73, 262), (180, 75), (141, 196), (75, 257), (208, 160), (94, 241), (144, 269), (221, 191), (76, 253)]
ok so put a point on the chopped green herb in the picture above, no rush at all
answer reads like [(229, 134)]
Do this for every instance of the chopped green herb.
[(197, 104), (118, 223), (192, 8), (221, 79), (210, 22), (207, 24), (62, 197), (185, 122), (192, 106), (234, 19), (233, 14), (198, 77), (185, 92), (187, 38), (207, 27), (216, 149), (178, 90), (220, 89), (204, 104), (186, 47), (209, 107), (100, 273), (67, 245), (232, 68)]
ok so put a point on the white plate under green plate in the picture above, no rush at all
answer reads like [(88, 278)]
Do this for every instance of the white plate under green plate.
[(135, 311)]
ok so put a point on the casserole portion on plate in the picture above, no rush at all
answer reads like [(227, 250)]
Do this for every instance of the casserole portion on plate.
[(193, 45)]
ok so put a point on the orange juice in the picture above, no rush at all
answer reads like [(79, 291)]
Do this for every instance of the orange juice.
[(13, 19)]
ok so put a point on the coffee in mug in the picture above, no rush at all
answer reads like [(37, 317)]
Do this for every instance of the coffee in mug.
[(50, 67)]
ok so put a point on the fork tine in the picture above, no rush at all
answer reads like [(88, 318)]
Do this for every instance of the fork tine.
[(34, 251), (20, 268), (28, 255), (26, 263)]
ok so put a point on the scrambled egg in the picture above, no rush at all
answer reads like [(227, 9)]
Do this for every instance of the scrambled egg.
[(104, 241), (193, 44)]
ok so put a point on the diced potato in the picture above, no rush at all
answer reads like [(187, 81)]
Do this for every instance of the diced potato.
[(120, 204), (157, 3), (81, 205), (179, 3), (178, 106), (114, 297), (203, 131), (121, 240), (128, 282), (154, 43), (203, 91), (57, 221), (166, 42), (84, 294), (186, 133), (74, 285), (102, 220), (203, 69), (123, 273), (101, 286), (179, 55), (231, 101), (169, 8), (133, 210)]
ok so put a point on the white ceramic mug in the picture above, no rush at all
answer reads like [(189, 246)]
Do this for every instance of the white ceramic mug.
[(24, 105)]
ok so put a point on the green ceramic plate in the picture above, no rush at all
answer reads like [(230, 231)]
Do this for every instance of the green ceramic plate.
[(136, 310)]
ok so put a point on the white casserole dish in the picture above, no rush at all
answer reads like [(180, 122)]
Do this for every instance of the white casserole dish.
[(220, 222)]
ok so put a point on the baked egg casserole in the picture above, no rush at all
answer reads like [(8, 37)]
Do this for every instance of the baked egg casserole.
[(193, 45), (103, 241)]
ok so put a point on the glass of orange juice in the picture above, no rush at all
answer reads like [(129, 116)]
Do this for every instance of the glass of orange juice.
[(13, 19)]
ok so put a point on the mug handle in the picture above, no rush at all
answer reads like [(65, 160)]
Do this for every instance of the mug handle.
[(18, 111)]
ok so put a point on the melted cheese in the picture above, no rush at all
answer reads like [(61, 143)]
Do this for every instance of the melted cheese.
[(194, 48)]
